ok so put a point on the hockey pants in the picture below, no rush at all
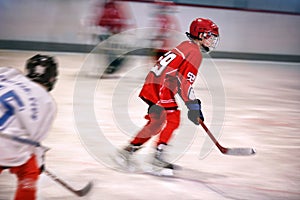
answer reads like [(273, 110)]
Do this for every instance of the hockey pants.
[(27, 175), (163, 124)]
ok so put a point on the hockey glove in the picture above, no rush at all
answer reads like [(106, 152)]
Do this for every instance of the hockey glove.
[(195, 112), (40, 156)]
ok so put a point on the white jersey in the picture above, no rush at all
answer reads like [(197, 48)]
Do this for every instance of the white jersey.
[(27, 110)]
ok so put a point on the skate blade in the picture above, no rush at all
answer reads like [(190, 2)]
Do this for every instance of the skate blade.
[(162, 172), (159, 171), (125, 165)]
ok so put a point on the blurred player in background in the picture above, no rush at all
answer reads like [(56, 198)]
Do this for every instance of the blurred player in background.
[(163, 39), (27, 111), (114, 18), (174, 73)]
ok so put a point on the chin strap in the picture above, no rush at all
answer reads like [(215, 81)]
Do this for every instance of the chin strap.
[(206, 49)]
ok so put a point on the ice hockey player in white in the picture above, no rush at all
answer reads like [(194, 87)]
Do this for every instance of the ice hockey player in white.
[(27, 110)]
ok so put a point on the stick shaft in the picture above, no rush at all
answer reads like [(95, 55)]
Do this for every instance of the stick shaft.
[(23, 140), (215, 141), (58, 180), (80, 192)]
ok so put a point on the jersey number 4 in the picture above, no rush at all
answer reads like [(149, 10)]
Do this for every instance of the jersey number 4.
[(6, 109), (163, 63)]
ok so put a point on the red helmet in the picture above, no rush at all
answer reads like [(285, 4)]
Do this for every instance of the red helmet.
[(204, 29), (202, 25)]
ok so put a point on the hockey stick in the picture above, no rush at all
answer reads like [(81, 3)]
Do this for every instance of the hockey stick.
[(24, 141), (80, 192), (228, 151)]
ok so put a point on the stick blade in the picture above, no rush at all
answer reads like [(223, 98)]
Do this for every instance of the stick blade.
[(240, 151), (84, 191)]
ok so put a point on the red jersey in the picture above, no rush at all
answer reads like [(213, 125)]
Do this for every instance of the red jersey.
[(175, 72), (113, 18)]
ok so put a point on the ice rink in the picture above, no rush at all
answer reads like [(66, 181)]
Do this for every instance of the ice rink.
[(259, 105)]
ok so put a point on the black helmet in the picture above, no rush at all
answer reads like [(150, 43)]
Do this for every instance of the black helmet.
[(42, 69)]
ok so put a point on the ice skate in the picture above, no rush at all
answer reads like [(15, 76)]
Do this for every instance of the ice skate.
[(160, 166), (124, 158), (158, 158)]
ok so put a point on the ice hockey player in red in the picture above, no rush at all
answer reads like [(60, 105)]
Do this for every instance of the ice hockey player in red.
[(174, 73), (115, 18), (28, 111), (165, 23)]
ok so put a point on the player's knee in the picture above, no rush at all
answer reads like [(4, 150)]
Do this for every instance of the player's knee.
[(173, 119), (155, 123), (27, 189), (173, 124), (155, 129), (27, 184)]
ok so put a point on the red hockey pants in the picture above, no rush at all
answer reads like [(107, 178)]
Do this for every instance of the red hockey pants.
[(163, 124), (27, 175)]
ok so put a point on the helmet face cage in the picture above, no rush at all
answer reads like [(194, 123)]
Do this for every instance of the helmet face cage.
[(42, 69), (210, 41)]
